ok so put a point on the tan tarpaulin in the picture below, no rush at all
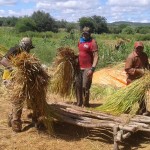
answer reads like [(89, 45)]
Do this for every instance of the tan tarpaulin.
[(110, 76)]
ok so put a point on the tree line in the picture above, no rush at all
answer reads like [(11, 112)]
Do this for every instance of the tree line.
[(40, 21)]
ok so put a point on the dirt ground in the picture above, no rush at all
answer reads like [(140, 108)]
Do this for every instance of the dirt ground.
[(67, 137)]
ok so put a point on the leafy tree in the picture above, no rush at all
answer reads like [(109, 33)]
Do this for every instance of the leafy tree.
[(62, 23), (86, 21), (128, 30), (8, 21), (143, 30), (114, 29), (25, 24), (97, 24), (12, 21), (44, 22), (1, 22), (122, 26), (71, 26), (100, 24)]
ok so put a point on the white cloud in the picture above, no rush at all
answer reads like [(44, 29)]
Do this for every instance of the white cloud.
[(70, 4), (21, 13), (67, 4), (27, 1), (127, 3), (145, 21), (113, 10), (41, 5), (8, 2), (68, 11), (128, 10), (72, 10), (2, 12)]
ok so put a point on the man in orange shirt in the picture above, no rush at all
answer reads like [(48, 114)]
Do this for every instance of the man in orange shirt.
[(135, 65)]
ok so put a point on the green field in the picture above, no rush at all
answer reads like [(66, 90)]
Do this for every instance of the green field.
[(46, 44)]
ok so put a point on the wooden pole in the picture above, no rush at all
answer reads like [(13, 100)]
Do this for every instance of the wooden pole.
[(115, 130)]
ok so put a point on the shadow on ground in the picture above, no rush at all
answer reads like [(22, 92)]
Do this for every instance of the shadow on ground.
[(138, 140), (92, 105), (68, 132)]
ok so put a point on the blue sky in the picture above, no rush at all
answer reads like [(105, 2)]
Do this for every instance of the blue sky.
[(72, 10)]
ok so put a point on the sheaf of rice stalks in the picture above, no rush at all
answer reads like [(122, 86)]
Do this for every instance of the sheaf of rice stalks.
[(30, 83), (126, 99), (65, 68)]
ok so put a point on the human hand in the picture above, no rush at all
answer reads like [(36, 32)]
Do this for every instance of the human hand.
[(140, 71), (89, 73)]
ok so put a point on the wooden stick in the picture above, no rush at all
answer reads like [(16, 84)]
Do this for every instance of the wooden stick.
[(139, 124), (142, 120), (119, 136), (115, 130), (124, 136)]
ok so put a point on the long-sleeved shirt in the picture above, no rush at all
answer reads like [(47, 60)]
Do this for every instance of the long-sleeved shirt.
[(133, 62)]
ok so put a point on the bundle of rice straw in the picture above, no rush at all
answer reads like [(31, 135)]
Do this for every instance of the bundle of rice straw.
[(126, 99), (62, 80), (31, 81)]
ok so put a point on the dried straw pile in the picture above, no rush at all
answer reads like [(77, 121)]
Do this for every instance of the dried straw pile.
[(65, 68), (127, 98), (30, 83)]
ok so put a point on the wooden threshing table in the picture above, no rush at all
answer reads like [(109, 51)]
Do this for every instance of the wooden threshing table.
[(122, 126)]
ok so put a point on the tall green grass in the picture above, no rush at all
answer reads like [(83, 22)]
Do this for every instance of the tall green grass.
[(47, 43)]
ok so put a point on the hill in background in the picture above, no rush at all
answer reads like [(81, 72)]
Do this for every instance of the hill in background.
[(129, 23)]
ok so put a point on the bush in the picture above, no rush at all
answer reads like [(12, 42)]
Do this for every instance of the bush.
[(128, 30), (48, 34), (142, 37), (25, 24)]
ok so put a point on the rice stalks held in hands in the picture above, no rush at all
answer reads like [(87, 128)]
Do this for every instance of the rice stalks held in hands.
[(126, 98), (30, 83), (65, 64)]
